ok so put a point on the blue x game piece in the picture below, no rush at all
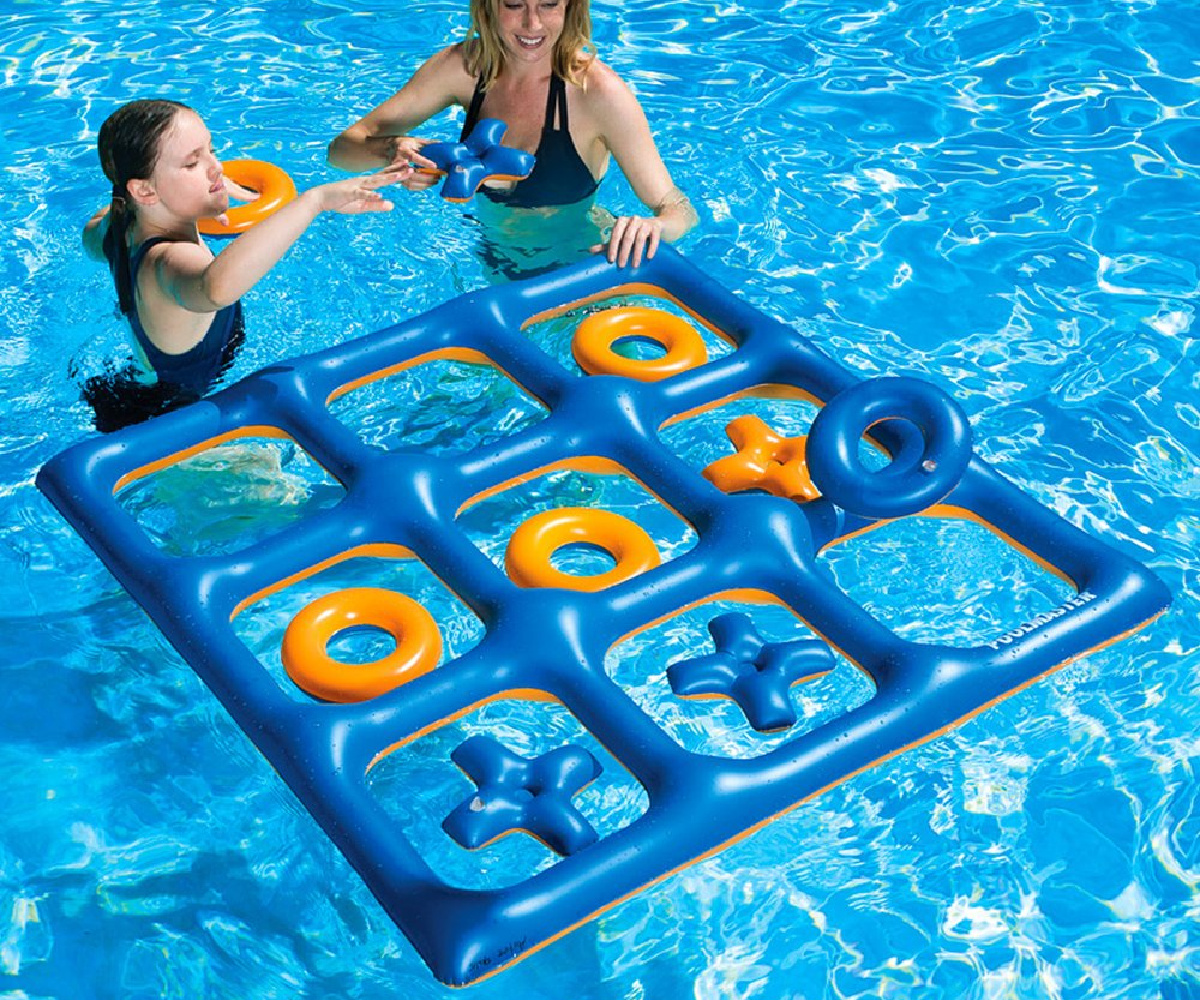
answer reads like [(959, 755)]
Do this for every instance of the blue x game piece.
[(754, 673), (519, 794), (479, 158)]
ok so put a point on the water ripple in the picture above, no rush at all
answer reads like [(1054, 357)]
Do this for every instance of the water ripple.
[(997, 196)]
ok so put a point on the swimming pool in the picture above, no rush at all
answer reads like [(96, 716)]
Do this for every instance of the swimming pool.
[(996, 199)]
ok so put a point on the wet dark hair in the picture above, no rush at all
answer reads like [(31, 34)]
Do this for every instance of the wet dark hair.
[(129, 144)]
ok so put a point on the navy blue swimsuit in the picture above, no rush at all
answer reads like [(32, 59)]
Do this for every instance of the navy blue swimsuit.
[(120, 398), (559, 177), (198, 367)]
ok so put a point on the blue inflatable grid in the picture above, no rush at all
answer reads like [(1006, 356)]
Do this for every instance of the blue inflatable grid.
[(552, 643)]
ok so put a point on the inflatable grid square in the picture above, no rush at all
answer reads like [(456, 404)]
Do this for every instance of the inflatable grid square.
[(551, 643)]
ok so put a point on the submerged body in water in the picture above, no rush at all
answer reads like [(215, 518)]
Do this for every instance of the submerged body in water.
[(519, 243), (130, 392)]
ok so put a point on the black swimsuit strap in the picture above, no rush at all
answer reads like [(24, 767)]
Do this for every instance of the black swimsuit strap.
[(473, 111), (556, 96), (556, 100), (140, 251)]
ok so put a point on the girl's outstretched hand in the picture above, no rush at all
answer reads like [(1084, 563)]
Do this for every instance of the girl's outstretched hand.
[(355, 195)]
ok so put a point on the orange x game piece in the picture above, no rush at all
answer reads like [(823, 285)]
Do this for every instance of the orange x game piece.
[(764, 461)]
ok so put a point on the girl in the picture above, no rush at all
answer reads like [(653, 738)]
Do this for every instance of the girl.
[(530, 63), (182, 302)]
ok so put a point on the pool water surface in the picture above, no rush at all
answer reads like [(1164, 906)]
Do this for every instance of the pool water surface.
[(1000, 198)]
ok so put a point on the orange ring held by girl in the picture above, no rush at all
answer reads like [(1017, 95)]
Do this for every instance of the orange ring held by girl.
[(596, 335), (275, 189), (308, 663), (533, 544)]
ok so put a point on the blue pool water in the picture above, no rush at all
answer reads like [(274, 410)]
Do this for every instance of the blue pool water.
[(999, 197)]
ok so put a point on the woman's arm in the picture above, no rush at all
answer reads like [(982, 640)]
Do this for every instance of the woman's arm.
[(626, 132), (381, 137)]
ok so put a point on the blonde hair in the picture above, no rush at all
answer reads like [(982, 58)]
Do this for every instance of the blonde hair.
[(484, 54)]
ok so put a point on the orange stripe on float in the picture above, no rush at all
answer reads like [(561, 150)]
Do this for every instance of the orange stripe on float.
[(593, 464), (467, 354), (768, 390), (633, 288), (254, 430), (375, 550), (522, 694)]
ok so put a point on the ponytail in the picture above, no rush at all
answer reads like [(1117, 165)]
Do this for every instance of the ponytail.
[(116, 251), (128, 145)]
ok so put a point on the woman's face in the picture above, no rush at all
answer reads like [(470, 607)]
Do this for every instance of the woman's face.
[(530, 28)]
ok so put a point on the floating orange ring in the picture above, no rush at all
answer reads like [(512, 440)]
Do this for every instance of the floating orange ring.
[(275, 189), (535, 541), (596, 335), (418, 644)]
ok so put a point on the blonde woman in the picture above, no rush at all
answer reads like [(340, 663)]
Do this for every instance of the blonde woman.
[(530, 63)]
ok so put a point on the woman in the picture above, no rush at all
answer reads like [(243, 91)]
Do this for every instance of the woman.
[(530, 64)]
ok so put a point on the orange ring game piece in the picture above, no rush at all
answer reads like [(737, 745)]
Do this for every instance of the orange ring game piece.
[(275, 189), (596, 335), (535, 541), (418, 644)]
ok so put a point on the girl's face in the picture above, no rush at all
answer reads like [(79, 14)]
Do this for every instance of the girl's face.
[(188, 178), (530, 28)]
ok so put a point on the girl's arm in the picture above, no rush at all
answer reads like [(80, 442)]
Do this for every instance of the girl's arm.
[(626, 132), (188, 275), (93, 233), (381, 137)]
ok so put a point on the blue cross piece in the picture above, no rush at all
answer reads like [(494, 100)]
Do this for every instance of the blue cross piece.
[(515, 793), (479, 158), (754, 673)]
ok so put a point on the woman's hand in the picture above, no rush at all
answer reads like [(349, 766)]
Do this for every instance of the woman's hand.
[(356, 195), (633, 236), (406, 149)]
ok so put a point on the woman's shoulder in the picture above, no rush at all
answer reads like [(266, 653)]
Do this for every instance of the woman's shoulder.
[(595, 75), (603, 91), (452, 60), (445, 73)]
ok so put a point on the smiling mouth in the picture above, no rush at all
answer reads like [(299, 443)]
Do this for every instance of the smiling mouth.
[(529, 43)]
